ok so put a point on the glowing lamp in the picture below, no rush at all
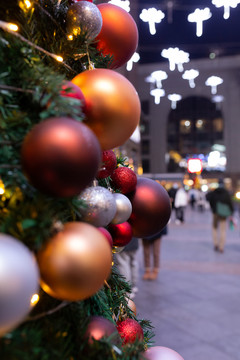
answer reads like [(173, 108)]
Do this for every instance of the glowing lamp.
[(213, 81), (175, 57), (194, 166), (198, 16), (134, 59), (158, 76), (157, 93), (227, 4), (174, 98), (152, 16), (123, 4), (190, 75)]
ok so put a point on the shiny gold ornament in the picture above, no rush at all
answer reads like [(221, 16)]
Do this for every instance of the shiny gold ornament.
[(75, 262)]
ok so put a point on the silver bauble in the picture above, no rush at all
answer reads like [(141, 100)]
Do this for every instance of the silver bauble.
[(101, 206), (124, 209), (84, 17), (19, 281)]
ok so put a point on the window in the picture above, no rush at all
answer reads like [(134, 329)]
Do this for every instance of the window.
[(185, 126)]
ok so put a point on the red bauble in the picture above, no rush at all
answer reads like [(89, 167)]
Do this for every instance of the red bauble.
[(98, 327), (74, 92), (161, 353), (118, 36), (109, 164), (112, 106), (130, 330), (107, 234), (151, 208), (124, 179), (60, 156), (121, 233)]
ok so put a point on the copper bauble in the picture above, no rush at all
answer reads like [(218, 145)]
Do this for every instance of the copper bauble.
[(118, 36), (75, 262), (60, 156), (151, 208), (161, 353), (99, 327), (112, 106)]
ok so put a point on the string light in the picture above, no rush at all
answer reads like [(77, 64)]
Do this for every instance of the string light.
[(123, 4), (158, 76), (175, 57), (157, 93), (2, 187), (174, 98), (190, 75), (134, 59), (34, 299), (198, 16), (213, 81), (8, 26), (152, 16), (227, 4)]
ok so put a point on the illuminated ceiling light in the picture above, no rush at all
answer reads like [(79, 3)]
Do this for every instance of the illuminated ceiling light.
[(190, 75), (198, 16), (158, 76), (134, 59), (175, 57), (174, 98), (152, 16), (123, 4), (157, 93), (213, 81), (227, 4)]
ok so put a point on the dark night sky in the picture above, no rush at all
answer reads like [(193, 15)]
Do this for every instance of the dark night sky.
[(219, 35)]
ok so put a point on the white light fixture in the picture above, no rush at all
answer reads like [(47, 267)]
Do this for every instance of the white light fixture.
[(227, 4), (175, 57), (158, 76), (190, 75), (123, 4), (198, 16), (157, 93), (134, 59), (174, 98), (213, 81), (152, 16)]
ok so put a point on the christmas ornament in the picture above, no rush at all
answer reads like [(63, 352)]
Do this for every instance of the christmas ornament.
[(130, 330), (109, 164), (75, 262), (60, 156), (107, 234), (118, 36), (84, 18), (124, 208), (113, 105), (161, 353), (19, 281), (151, 208), (100, 206), (71, 90), (121, 233), (132, 306), (99, 327), (124, 179)]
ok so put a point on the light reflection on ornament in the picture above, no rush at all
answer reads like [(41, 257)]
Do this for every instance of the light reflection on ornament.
[(213, 81), (227, 4), (175, 57), (190, 75), (134, 59), (157, 93), (198, 16), (125, 5), (158, 76), (152, 16), (174, 98)]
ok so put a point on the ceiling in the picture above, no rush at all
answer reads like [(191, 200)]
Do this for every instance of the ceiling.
[(220, 37)]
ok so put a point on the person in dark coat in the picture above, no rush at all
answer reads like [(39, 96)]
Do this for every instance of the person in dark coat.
[(222, 207)]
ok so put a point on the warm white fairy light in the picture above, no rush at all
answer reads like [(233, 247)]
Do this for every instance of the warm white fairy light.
[(198, 16), (158, 76), (157, 93), (123, 4), (175, 57), (190, 75), (213, 81), (134, 59), (174, 98), (152, 16), (227, 4), (8, 26)]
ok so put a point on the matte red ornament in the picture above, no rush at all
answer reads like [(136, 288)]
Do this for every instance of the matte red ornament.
[(121, 233), (130, 330), (161, 353), (118, 36), (109, 164), (98, 327), (75, 92), (112, 106), (151, 208), (124, 179), (60, 156), (107, 234)]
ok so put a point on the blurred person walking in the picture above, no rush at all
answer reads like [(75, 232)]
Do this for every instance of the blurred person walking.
[(222, 207), (181, 201)]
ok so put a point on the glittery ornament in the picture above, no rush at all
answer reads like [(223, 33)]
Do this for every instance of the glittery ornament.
[(100, 206), (85, 18), (121, 233), (19, 281), (124, 179), (161, 353), (109, 164), (130, 330), (124, 208)]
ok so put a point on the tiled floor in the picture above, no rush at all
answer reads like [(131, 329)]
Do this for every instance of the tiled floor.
[(194, 305)]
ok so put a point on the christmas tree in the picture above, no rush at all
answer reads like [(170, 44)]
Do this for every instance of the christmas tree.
[(63, 109)]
